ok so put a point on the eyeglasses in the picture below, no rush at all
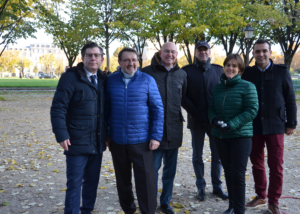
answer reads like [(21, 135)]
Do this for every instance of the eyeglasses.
[(128, 60), (90, 56), (169, 52)]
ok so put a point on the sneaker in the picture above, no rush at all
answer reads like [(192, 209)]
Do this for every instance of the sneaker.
[(275, 209), (256, 202), (201, 195)]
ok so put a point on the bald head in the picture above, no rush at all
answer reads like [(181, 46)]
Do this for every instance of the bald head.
[(168, 54)]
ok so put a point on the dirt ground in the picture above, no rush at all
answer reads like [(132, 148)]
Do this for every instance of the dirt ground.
[(32, 166)]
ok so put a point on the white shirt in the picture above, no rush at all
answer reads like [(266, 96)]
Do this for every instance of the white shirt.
[(88, 74)]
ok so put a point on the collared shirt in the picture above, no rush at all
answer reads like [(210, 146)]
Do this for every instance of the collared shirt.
[(166, 67), (261, 70), (88, 74)]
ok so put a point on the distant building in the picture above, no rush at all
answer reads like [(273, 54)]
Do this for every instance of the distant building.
[(34, 51)]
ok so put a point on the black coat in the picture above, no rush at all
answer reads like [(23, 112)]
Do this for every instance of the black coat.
[(199, 90), (277, 103), (77, 112), (172, 87)]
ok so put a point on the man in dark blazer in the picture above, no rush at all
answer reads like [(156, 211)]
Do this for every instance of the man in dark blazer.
[(202, 76), (277, 116), (77, 117), (171, 81)]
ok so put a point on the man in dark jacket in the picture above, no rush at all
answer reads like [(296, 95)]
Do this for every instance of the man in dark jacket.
[(77, 117), (135, 129), (171, 81), (277, 115), (201, 79)]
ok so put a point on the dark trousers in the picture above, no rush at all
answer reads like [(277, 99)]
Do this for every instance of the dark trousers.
[(141, 158), (234, 154), (82, 171), (169, 157), (198, 136), (275, 147)]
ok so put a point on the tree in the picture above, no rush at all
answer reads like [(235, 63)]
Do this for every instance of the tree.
[(100, 14), (22, 64), (17, 20), (35, 69), (70, 35), (9, 60), (117, 51), (287, 35), (59, 67), (48, 60)]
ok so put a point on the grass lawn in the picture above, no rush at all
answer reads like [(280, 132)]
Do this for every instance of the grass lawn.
[(7, 82)]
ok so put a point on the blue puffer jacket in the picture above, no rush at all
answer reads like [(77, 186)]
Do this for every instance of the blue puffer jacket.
[(136, 113)]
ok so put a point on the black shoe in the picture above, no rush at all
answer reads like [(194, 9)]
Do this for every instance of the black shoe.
[(167, 208), (229, 211), (201, 195), (220, 194)]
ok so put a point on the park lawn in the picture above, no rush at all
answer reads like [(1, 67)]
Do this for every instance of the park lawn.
[(28, 82)]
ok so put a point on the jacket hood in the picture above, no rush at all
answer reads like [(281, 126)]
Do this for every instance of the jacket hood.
[(80, 70), (156, 62), (230, 82)]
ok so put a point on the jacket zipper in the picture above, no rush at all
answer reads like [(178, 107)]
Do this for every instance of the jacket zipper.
[(223, 106), (125, 112)]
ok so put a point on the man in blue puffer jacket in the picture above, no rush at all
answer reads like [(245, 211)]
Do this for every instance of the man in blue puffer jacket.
[(77, 117), (136, 119)]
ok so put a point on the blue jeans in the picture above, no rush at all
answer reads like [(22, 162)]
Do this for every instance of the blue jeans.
[(169, 157), (82, 171), (198, 136)]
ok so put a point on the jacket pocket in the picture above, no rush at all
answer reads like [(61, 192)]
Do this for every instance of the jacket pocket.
[(78, 98), (282, 113), (80, 133), (180, 91)]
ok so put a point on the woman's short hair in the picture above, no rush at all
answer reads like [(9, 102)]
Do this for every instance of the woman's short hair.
[(106, 68), (238, 59)]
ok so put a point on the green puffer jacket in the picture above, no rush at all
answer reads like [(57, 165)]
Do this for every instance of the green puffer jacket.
[(235, 102)]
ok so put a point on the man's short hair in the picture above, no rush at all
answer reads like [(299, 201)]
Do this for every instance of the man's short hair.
[(126, 49), (262, 41), (238, 59), (90, 45)]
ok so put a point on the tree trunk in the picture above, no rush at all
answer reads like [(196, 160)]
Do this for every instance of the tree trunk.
[(288, 60)]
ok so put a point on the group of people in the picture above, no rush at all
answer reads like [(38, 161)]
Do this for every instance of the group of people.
[(137, 115)]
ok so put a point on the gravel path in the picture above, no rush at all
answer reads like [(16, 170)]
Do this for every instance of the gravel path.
[(32, 166)]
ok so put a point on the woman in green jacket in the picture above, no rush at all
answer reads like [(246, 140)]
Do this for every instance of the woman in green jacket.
[(233, 107)]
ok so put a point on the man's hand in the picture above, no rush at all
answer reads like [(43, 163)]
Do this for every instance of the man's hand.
[(65, 144), (108, 141), (289, 131), (154, 144)]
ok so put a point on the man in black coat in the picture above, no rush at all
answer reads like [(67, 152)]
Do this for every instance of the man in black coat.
[(201, 79), (171, 82), (277, 116), (77, 117)]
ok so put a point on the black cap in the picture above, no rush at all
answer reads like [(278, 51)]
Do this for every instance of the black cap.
[(202, 44)]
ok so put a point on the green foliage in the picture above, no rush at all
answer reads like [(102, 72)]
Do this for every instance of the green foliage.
[(115, 54), (17, 20)]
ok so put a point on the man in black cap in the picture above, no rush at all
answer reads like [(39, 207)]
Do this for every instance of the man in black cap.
[(202, 76)]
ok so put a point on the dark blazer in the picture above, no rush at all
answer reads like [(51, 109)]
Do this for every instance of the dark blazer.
[(199, 90), (172, 87), (77, 112), (277, 103)]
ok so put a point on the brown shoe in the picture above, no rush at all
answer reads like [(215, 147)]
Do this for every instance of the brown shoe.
[(256, 202), (275, 209)]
